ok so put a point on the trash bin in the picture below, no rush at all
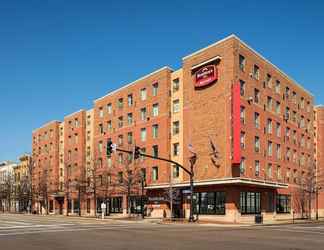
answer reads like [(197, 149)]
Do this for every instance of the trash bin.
[(258, 219)]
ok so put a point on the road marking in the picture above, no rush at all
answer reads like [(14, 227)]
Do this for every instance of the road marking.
[(37, 225)]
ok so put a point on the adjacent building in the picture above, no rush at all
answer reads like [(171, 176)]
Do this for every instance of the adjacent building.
[(249, 125)]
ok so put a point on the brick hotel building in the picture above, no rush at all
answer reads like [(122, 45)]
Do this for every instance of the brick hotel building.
[(249, 124)]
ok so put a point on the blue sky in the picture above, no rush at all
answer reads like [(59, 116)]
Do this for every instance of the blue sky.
[(57, 56)]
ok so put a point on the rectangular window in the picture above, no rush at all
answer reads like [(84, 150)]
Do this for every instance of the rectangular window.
[(120, 122), (155, 173), (129, 118), (278, 108), (269, 126), (257, 120), (269, 148), (155, 131), (278, 129), (176, 106), (242, 139), (155, 111), (143, 134), (130, 100), (176, 127), (256, 72), (101, 130), (283, 203), (120, 140), (278, 151), (242, 114), (209, 203), (257, 168), (120, 103), (269, 81), (155, 150), (269, 170), (99, 147), (109, 108), (120, 177), (176, 84), (242, 87), (101, 113), (242, 62), (257, 144), (250, 202), (256, 96), (176, 171), (129, 137), (155, 89), (242, 165), (269, 103), (109, 126), (176, 149), (143, 114), (143, 94), (277, 88)]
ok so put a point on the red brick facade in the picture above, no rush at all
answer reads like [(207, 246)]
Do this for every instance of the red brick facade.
[(273, 125)]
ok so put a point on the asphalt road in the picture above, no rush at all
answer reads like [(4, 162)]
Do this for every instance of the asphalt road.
[(46, 233)]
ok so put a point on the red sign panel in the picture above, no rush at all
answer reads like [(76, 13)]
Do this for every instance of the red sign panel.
[(206, 75)]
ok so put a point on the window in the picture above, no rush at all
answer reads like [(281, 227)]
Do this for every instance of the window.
[(155, 88), (269, 81), (269, 126), (176, 127), (256, 96), (242, 114), (278, 108), (143, 94), (101, 112), (155, 173), (269, 148), (143, 114), (120, 140), (242, 87), (278, 129), (242, 62), (176, 149), (209, 203), (242, 139), (257, 120), (120, 158), (278, 151), (155, 150), (278, 172), (269, 103), (99, 147), (256, 72), (242, 165), (257, 167), (294, 97), (302, 102), (155, 111), (120, 177), (287, 92), (176, 106), (257, 144), (109, 108), (129, 137), (176, 171), (269, 170), (101, 130), (109, 126), (176, 84), (129, 118), (120, 103), (250, 202), (143, 134), (277, 88), (283, 203), (130, 100), (120, 122), (155, 131)]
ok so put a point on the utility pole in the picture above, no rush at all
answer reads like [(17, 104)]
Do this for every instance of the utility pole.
[(136, 153)]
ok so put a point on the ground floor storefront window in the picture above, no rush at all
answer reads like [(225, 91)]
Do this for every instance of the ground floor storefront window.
[(209, 203), (250, 202), (283, 203), (114, 204), (136, 204)]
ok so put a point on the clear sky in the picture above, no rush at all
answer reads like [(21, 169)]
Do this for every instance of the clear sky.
[(57, 56)]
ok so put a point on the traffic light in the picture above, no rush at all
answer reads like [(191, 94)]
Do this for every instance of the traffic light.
[(137, 152), (109, 148)]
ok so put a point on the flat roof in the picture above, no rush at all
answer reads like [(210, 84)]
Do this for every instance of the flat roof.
[(129, 84), (74, 113), (255, 52), (46, 124)]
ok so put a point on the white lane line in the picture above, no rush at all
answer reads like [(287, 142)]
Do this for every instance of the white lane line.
[(32, 226), (61, 230), (14, 222), (296, 231)]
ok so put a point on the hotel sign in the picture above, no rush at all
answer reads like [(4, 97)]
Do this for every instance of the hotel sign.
[(205, 76)]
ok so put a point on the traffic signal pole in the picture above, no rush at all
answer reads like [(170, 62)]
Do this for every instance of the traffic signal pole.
[(190, 172)]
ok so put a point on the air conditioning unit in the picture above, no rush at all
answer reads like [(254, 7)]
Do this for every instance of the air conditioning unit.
[(250, 99), (251, 74)]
